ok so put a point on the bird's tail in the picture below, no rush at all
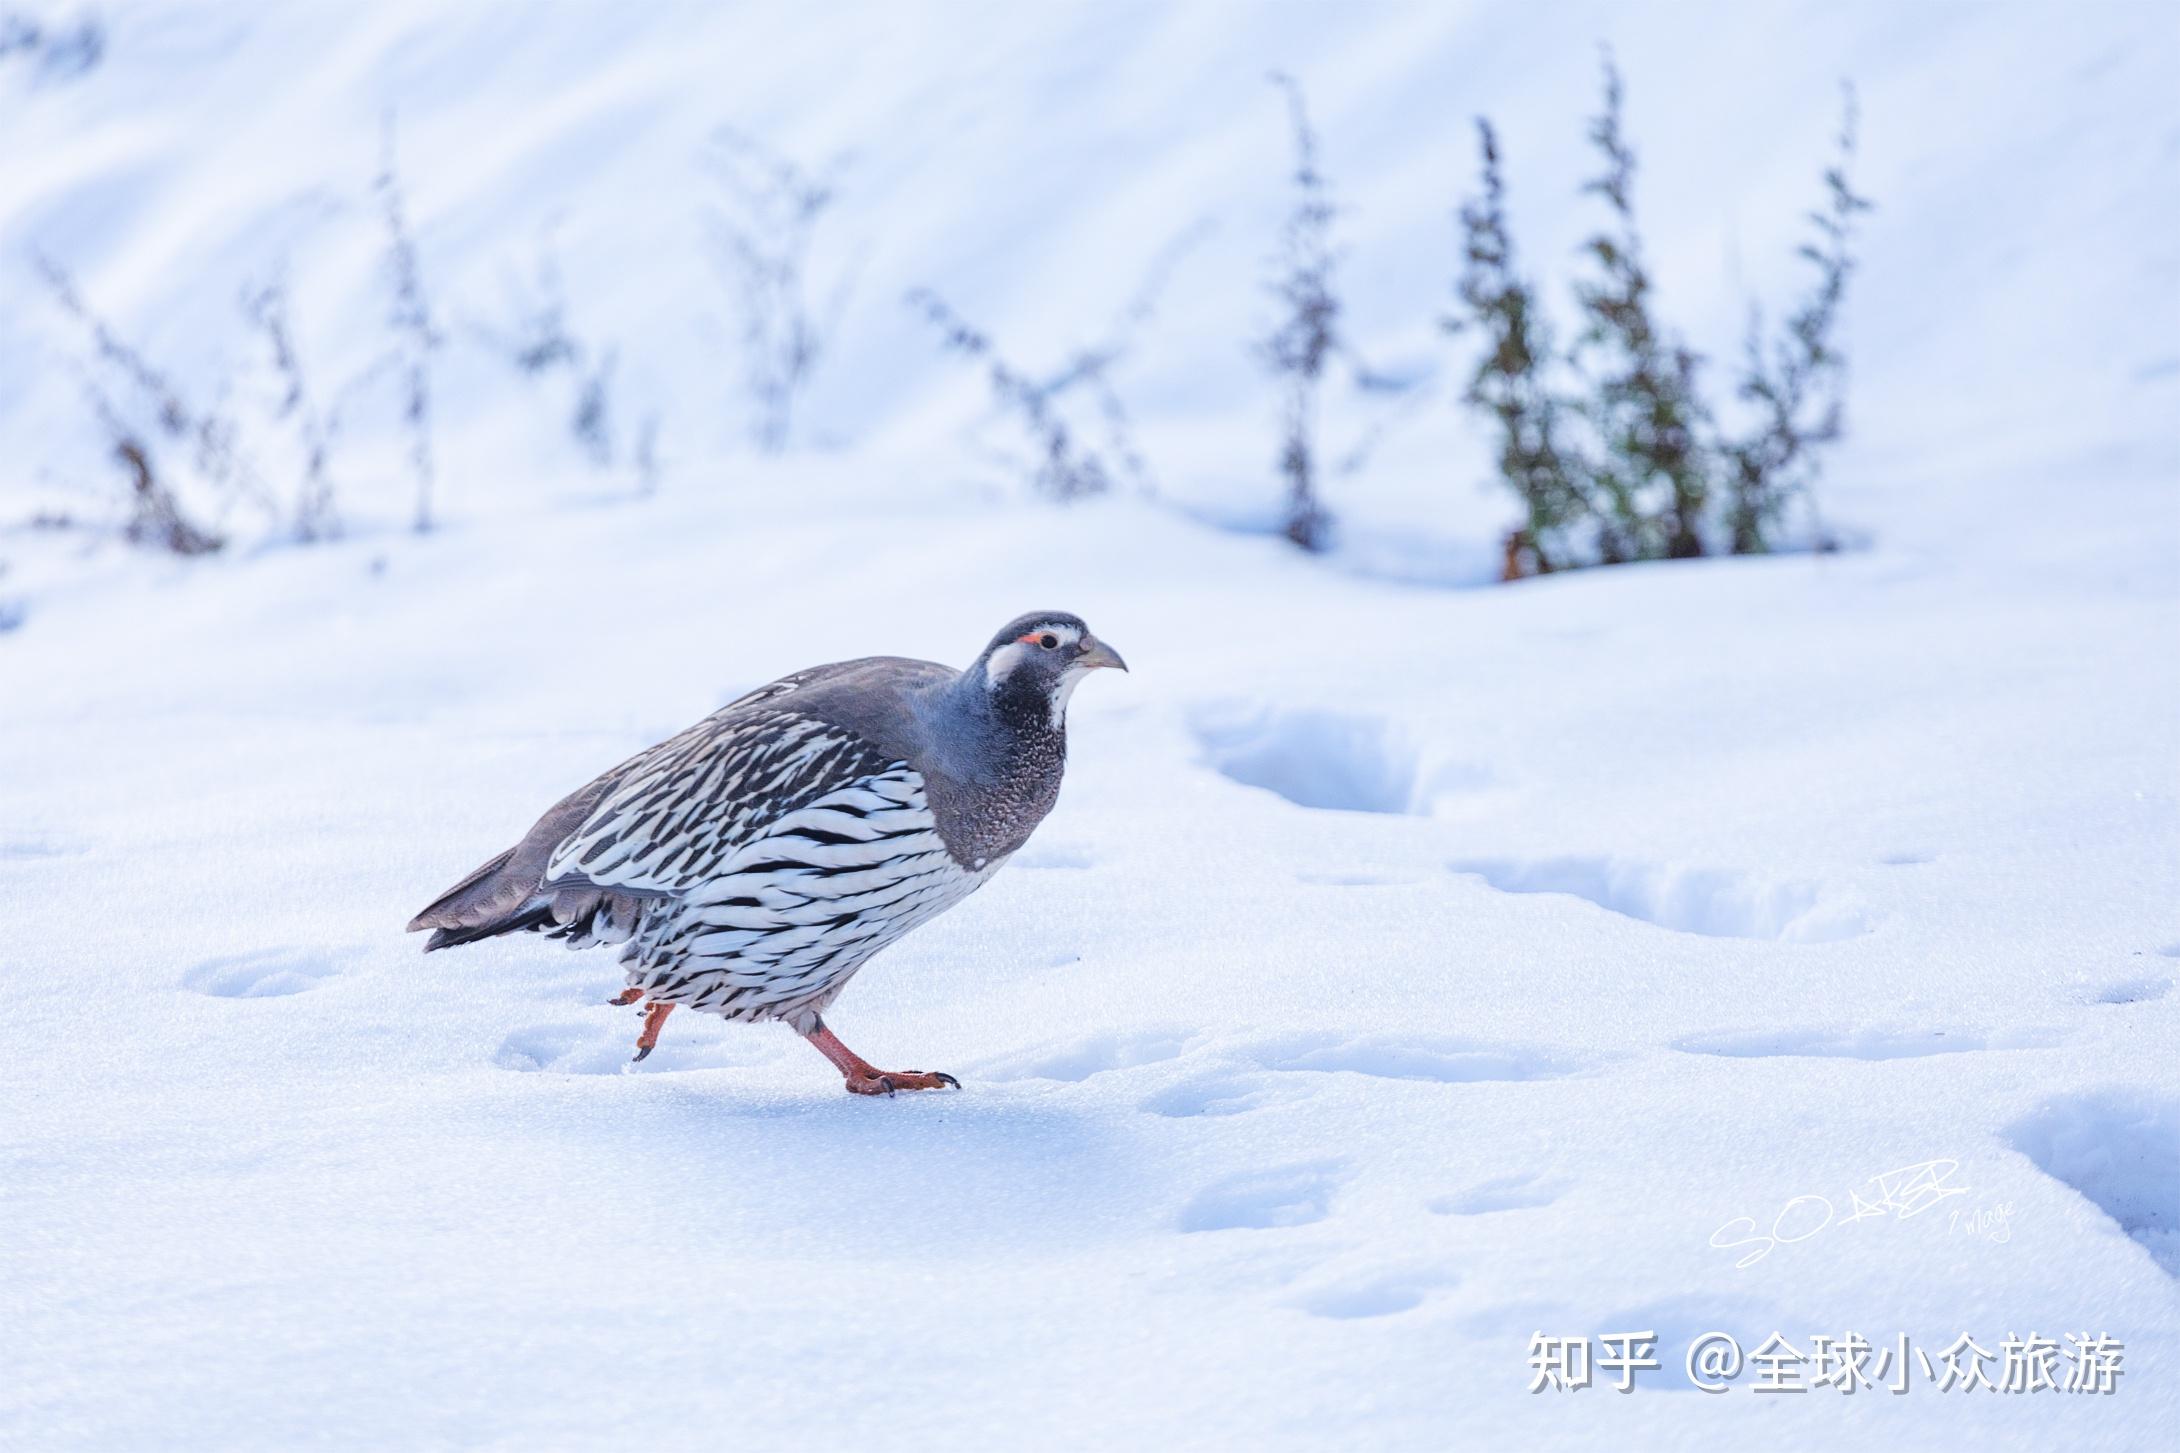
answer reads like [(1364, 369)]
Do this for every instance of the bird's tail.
[(537, 915), (489, 902), (508, 894)]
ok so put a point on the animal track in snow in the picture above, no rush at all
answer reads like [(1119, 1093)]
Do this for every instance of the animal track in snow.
[(1377, 1294), (2121, 1150), (1445, 1059), (2134, 991), (1271, 1071), (265, 973), (1293, 1195), (572, 1048), (1710, 901), (1220, 1092), (1870, 1044), (1524, 1191), (1909, 859), (1313, 758), (1078, 1059)]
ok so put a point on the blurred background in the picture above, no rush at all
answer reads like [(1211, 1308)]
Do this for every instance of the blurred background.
[(317, 264)]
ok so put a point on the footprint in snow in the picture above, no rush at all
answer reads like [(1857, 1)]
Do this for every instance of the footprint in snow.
[(1713, 902), (1442, 1058), (1294, 1195), (1073, 1060), (1273, 1071), (1523, 1191), (1374, 1294), (1869, 1044), (266, 973), (2120, 1150), (1313, 758), (1222, 1092), (2133, 991), (595, 1048)]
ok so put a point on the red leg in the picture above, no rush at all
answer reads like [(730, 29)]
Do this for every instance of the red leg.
[(626, 997), (863, 1077), (654, 1019)]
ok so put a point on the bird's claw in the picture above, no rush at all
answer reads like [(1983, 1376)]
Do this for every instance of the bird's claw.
[(891, 1083)]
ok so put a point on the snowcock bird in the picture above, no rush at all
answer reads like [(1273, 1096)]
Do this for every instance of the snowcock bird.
[(750, 865)]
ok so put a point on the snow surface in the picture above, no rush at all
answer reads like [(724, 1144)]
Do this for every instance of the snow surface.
[(1406, 970)]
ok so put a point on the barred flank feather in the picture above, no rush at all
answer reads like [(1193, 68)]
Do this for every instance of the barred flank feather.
[(750, 865)]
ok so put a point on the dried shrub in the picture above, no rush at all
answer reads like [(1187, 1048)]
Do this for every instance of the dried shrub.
[(1651, 474), (764, 227)]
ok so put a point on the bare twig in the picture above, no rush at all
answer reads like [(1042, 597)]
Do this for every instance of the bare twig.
[(209, 434), (267, 308), (156, 518), (1297, 349), (1066, 467), (417, 338), (763, 234), (1064, 470), (61, 53)]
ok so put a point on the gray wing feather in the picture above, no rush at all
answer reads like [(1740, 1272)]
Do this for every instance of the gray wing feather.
[(666, 819), (672, 820), (502, 886)]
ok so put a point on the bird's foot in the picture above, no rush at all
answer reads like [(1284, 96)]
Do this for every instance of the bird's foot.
[(654, 1019), (865, 1078), (625, 997), (888, 1082)]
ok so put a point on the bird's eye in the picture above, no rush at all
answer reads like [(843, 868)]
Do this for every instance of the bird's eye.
[(1048, 640)]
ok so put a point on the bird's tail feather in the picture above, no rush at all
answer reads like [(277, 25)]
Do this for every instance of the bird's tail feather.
[(482, 904), (537, 915)]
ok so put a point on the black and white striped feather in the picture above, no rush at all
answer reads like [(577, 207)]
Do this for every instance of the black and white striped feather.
[(748, 866)]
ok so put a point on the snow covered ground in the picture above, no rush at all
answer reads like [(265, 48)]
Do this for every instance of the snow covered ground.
[(1406, 970)]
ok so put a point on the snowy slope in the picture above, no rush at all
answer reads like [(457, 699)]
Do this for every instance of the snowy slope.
[(1405, 970), (1033, 163)]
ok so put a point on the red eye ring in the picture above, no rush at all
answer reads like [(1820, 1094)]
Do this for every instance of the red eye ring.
[(1047, 640)]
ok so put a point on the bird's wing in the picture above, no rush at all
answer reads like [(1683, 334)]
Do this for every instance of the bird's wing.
[(675, 814)]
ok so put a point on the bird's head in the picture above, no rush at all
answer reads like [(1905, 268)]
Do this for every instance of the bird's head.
[(1035, 662)]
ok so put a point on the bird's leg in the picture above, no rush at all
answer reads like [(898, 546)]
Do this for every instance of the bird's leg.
[(625, 997), (863, 1077), (654, 1019)]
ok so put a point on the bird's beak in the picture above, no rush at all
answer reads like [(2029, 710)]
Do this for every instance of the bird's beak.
[(1096, 653)]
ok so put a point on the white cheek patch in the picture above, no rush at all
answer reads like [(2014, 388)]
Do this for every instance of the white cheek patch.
[(1069, 680), (1003, 661)]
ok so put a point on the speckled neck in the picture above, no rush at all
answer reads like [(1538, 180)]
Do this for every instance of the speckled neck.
[(997, 766)]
